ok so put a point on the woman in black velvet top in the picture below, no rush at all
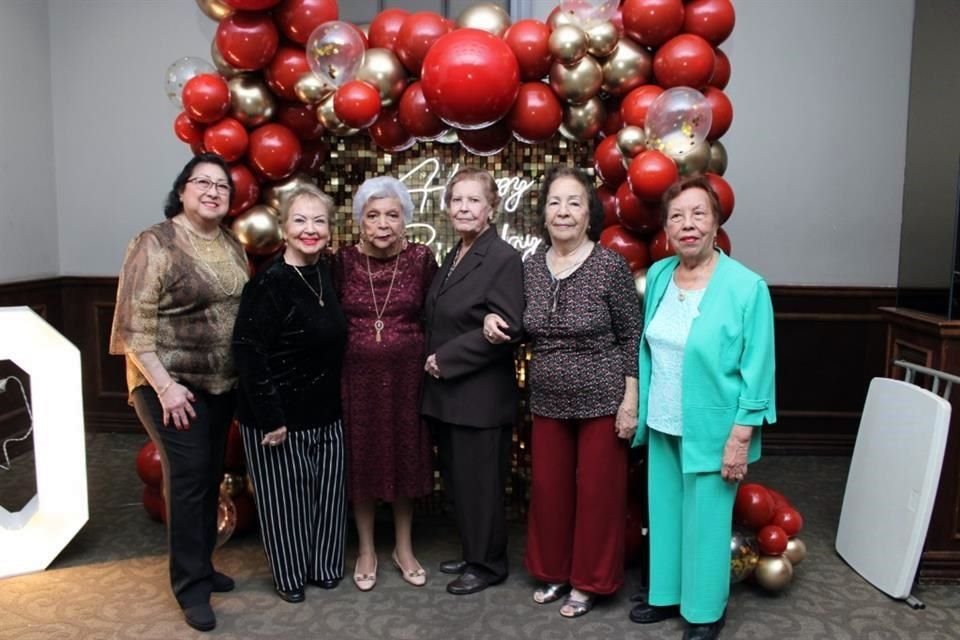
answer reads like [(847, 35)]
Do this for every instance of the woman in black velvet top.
[(288, 344)]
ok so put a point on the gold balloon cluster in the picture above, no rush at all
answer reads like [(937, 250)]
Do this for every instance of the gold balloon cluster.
[(258, 230), (773, 573)]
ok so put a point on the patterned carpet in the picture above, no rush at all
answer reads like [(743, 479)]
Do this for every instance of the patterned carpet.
[(111, 581)]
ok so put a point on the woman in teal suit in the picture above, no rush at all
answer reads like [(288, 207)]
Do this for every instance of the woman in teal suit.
[(707, 386)]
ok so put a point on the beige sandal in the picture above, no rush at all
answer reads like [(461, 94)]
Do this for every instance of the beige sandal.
[(417, 577), (365, 581)]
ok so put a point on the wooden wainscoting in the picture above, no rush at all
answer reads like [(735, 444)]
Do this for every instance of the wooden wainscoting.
[(830, 344)]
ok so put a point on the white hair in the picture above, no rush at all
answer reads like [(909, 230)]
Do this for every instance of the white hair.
[(382, 187)]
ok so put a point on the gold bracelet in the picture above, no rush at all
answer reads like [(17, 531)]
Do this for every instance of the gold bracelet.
[(165, 388)]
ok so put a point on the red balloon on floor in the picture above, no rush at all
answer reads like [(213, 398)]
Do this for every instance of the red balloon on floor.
[(652, 22), (153, 503), (772, 540), (149, 467), (788, 519), (684, 60), (753, 506)]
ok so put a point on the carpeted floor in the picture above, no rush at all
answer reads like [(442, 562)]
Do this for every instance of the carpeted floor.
[(111, 581)]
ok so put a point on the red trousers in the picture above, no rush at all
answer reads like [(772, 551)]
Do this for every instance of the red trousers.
[(578, 503)]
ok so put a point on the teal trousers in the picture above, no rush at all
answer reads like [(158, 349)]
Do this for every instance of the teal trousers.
[(690, 528)]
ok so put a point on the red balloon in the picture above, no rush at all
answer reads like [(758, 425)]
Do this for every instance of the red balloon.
[(197, 148), (389, 134), (722, 240), (313, 157), (722, 110), (357, 104), (149, 467), (753, 506), (385, 27), (246, 189), (206, 97), (643, 218), (274, 151), (632, 248), (779, 500), (227, 138), (660, 246), (233, 460), (724, 195), (529, 41), (486, 141), (153, 503), (650, 174), (536, 114), (301, 119), (633, 108), (415, 115), (608, 162), (652, 22), (788, 519), (609, 201), (685, 60), (251, 5), (614, 122), (417, 34), (187, 130), (712, 20), (470, 78), (298, 18), (721, 70), (247, 41), (772, 540), (285, 69)]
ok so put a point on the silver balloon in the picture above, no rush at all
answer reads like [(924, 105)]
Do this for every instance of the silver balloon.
[(251, 101), (718, 158), (693, 160), (311, 89), (258, 230), (583, 121), (773, 573), (485, 17), (796, 551), (381, 69), (631, 141), (181, 72), (602, 38), (629, 66), (578, 82)]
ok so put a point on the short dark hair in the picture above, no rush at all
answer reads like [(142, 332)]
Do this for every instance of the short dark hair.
[(173, 206), (690, 182), (594, 222)]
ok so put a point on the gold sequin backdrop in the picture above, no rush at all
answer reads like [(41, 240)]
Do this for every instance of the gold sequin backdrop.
[(425, 169)]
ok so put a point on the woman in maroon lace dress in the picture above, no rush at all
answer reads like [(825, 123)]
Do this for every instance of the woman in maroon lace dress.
[(382, 282)]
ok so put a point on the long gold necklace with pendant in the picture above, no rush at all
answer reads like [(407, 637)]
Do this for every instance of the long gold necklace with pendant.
[(318, 291), (378, 323)]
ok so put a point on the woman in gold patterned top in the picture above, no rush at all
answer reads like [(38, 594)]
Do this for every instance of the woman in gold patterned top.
[(177, 300)]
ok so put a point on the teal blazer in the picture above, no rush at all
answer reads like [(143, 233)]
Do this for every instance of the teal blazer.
[(728, 362)]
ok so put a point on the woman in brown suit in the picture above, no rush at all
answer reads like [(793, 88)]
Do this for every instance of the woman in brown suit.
[(470, 390)]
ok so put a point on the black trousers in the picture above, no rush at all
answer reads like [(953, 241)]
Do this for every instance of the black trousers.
[(474, 464), (192, 462)]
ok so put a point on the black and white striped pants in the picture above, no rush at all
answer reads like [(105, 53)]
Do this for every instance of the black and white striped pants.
[(299, 487)]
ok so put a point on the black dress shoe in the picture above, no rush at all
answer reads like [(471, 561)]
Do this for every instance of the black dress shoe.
[(326, 584), (222, 582), (200, 617), (293, 595), (468, 582), (453, 567), (645, 613), (709, 631)]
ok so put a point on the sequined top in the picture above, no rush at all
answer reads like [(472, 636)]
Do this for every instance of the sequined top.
[(177, 297), (585, 330)]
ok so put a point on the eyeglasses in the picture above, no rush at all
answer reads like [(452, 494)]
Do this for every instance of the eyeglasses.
[(204, 185)]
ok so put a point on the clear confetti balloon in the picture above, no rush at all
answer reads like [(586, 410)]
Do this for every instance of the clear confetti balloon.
[(335, 52), (587, 13), (677, 121), (181, 72)]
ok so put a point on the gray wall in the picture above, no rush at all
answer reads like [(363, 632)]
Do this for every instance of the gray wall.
[(817, 147)]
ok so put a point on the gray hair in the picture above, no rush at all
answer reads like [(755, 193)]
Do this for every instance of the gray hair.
[(382, 187)]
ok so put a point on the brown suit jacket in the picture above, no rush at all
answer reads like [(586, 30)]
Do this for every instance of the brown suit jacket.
[(477, 385)]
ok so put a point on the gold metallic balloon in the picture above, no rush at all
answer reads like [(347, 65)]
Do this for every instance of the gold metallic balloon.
[(583, 121), (251, 101), (276, 195), (382, 70), (232, 484), (640, 282), (226, 519), (310, 88), (225, 68), (629, 66), (559, 18), (796, 551), (215, 9), (568, 44), (329, 119), (578, 82), (744, 554), (773, 573), (602, 38), (630, 141), (258, 230), (718, 158), (693, 160), (485, 17)]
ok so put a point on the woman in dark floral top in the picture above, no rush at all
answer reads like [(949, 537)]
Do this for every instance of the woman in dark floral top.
[(583, 320)]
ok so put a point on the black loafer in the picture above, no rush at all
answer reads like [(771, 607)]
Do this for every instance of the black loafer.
[(326, 584), (470, 582), (293, 595), (709, 631), (645, 613), (200, 617), (222, 582), (453, 567)]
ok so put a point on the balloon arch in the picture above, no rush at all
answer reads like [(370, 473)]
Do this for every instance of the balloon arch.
[(633, 88)]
